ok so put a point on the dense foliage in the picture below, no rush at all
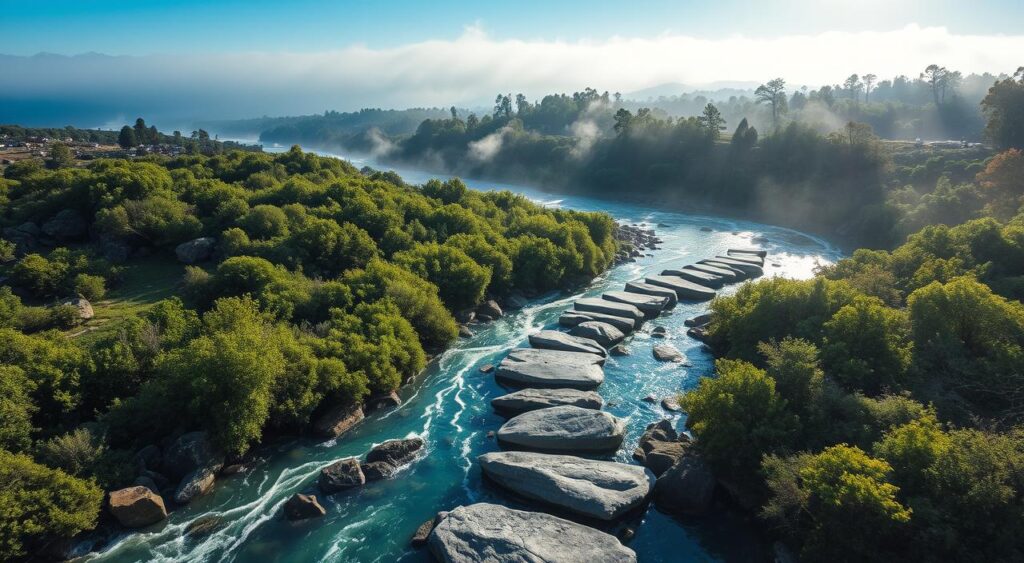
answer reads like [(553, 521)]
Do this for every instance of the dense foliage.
[(325, 286)]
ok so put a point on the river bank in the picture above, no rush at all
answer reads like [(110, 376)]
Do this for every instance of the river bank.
[(448, 406)]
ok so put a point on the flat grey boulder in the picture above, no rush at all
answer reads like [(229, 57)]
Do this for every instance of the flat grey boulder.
[(573, 318), (493, 533), (528, 367), (555, 340), (747, 252), (684, 289), (726, 274), (651, 305), (526, 400), (752, 270), (668, 353), (644, 288), (603, 333), (702, 278), (598, 489), (564, 429), (750, 259), (598, 305)]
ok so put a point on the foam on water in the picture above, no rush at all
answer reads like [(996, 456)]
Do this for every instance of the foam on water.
[(449, 406)]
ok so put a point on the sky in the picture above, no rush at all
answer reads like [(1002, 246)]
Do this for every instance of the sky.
[(191, 59)]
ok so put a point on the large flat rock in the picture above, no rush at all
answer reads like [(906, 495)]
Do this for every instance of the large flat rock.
[(599, 305), (528, 367), (599, 489), (526, 400), (752, 270), (726, 274), (644, 288), (564, 429), (753, 259), (573, 318), (684, 289), (702, 278), (496, 534), (603, 333), (747, 252), (650, 305), (555, 340)]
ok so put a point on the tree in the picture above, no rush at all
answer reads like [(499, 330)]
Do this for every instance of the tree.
[(1004, 108), (712, 121), (939, 80), (60, 156), (869, 82), (1003, 183), (853, 86), (454, 112), (503, 106), (793, 364), (745, 136), (126, 138), (623, 117), (16, 409), (866, 346), (774, 94)]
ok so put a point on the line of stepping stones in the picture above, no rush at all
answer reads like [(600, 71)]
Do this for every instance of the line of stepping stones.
[(555, 416)]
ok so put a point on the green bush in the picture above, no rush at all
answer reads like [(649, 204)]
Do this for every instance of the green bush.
[(90, 287)]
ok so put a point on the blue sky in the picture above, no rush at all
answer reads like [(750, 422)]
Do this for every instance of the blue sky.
[(139, 27)]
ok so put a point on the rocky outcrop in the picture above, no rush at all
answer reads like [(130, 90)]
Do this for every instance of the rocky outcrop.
[(668, 353), (598, 489), (378, 470), (528, 367), (687, 487), (137, 507), (555, 340), (644, 288), (660, 447), (301, 507), (527, 400), (493, 533), (341, 475), (195, 461), (338, 420), (597, 305), (564, 429), (573, 318), (66, 225), (684, 289), (197, 483), (85, 311), (384, 401), (489, 310), (619, 350), (603, 333), (396, 452), (650, 305), (195, 251), (422, 535)]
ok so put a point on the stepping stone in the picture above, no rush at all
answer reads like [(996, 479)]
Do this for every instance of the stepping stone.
[(747, 251), (726, 274), (603, 333), (702, 278), (597, 489), (746, 267), (650, 305), (493, 533), (526, 400), (648, 289), (555, 340), (755, 260), (573, 318), (525, 367), (598, 305), (684, 289), (564, 429)]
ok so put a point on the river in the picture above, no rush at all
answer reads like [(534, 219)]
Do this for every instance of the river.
[(448, 405)]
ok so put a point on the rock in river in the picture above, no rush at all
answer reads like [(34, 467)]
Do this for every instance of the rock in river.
[(687, 487), (137, 507), (527, 367), (532, 399), (644, 288), (555, 340), (340, 475), (701, 278), (603, 333), (396, 452), (490, 532), (301, 507), (573, 318), (598, 305), (650, 305), (598, 489), (684, 289), (564, 429), (668, 353)]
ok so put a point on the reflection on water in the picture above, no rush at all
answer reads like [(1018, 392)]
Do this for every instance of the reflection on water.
[(448, 405)]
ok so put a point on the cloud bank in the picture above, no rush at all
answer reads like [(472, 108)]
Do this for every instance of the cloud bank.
[(465, 71)]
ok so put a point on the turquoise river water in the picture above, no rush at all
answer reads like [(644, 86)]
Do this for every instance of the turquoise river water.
[(448, 405)]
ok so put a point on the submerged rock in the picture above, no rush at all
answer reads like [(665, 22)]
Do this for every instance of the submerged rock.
[(564, 429), (603, 333), (527, 400), (598, 489), (301, 507), (490, 532), (137, 507), (555, 340)]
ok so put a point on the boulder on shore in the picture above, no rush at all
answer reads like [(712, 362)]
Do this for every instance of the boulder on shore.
[(301, 507), (573, 318), (598, 489), (490, 309), (687, 487), (341, 475), (396, 452), (195, 251), (530, 367), (598, 305), (137, 507), (526, 400), (493, 533), (338, 420), (603, 333), (555, 340), (564, 429)]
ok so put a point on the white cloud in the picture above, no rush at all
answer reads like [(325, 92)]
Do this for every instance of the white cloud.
[(470, 69)]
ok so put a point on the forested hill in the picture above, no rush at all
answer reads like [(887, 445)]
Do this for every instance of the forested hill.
[(309, 286)]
